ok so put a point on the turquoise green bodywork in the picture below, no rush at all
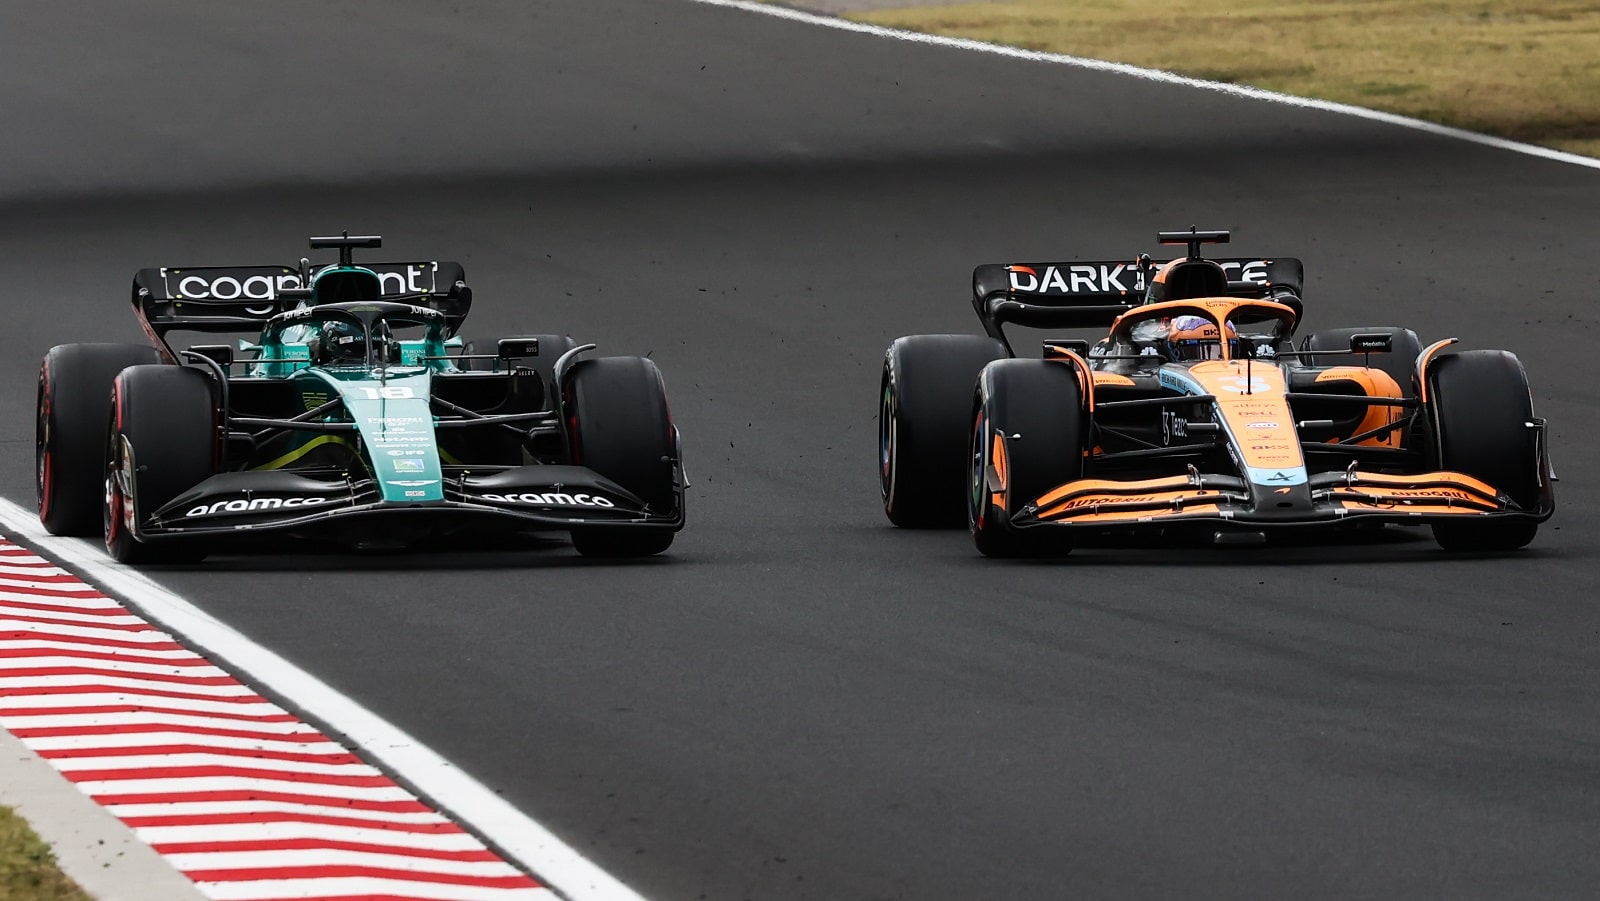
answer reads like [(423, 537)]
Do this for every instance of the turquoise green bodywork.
[(389, 404), (395, 423)]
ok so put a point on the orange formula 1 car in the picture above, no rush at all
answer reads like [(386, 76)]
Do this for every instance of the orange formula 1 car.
[(1198, 411)]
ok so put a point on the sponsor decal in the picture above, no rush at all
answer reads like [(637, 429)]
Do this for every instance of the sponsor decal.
[(226, 287), (1173, 381), (1093, 500), (1110, 378), (1251, 271), (396, 420), (1408, 493), (254, 505), (1262, 425), (415, 452), (412, 464), (416, 494), (1108, 278), (1095, 278), (410, 483), (551, 499), (399, 437), (408, 280), (1290, 474)]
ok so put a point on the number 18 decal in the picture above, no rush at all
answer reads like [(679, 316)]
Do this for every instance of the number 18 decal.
[(388, 392)]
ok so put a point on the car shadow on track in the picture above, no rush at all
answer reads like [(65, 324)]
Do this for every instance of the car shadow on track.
[(1387, 544), (479, 553)]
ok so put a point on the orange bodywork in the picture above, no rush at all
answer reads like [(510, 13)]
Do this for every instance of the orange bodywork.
[(1250, 398), (997, 459), (1374, 383)]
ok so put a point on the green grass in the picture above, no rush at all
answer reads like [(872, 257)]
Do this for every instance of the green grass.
[(1519, 69), (28, 869)]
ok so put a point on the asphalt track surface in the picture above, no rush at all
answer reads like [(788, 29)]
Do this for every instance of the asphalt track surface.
[(800, 701)]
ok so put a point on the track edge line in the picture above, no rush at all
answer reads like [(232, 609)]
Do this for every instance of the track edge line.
[(1099, 65), (458, 795)]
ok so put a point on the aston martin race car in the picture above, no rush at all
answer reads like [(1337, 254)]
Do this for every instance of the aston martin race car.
[(1198, 412), (354, 414)]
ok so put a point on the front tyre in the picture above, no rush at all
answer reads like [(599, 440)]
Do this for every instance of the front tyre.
[(1027, 437), (923, 401), (1480, 406), (619, 426), (74, 404), (162, 442)]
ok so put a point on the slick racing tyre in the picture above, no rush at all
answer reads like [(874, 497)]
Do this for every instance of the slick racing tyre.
[(74, 404), (1480, 406), (620, 427), (924, 401), (162, 442), (1400, 362), (1028, 427)]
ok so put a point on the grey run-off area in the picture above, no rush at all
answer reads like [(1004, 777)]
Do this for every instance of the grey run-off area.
[(801, 702)]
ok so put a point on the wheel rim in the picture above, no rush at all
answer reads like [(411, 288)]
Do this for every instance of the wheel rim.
[(112, 515), (41, 448), (119, 514), (977, 504)]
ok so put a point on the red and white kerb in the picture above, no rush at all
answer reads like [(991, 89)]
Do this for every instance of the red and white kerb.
[(240, 795)]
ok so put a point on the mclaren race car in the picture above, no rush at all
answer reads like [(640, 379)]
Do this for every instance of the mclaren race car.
[(1199, 412), (354, 415)]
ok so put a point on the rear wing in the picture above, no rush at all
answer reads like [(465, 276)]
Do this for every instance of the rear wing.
[(243, 298), (1093, 294)]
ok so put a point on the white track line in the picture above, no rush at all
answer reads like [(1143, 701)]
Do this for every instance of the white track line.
[(1099, 65), (513, 832)]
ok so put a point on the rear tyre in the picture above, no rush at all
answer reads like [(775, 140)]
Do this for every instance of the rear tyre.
[(1400, 363), (620, 427), (924, 402), (1480, 406), (74, 404), (1032, 409), (162, 442)]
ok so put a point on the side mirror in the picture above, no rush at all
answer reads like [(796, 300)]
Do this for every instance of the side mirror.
[(222, 354), (1054, 348), (517, 348), (1371, 344)]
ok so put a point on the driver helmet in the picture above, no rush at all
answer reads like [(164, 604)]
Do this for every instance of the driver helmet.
[(1192, 338), (341, 342)]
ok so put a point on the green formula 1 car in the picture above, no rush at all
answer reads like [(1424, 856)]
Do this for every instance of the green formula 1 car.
[(356, 415)]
